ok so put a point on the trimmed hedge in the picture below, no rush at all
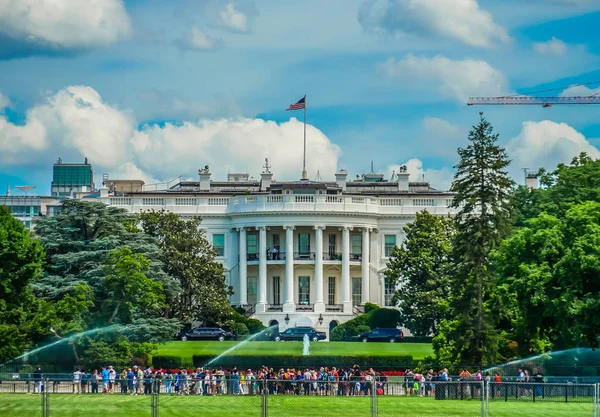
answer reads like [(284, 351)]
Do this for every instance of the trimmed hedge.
[(167, 361), (280, 361), (417, 339)]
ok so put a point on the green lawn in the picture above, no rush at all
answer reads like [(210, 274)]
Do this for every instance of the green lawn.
[(68, 405), (209, 348)]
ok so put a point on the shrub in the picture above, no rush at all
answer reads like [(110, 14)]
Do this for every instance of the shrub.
[(240, 329), (254, 326), (167, 361), (417, 339), (370, 307), (350, 328), (362, 329), (384, 317)]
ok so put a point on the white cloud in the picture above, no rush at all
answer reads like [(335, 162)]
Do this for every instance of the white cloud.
[(462, 20), (233, 19), (438, 178), (546, 144), (58, 25), (579, 90), (551, 47), (76, 123), (457, 79), (4, 102), (197, 40)]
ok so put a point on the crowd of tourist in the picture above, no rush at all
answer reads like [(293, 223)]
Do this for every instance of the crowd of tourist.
[(332, 381)]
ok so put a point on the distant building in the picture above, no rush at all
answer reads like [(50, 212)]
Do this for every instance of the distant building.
[(28, 209), (68, 179)]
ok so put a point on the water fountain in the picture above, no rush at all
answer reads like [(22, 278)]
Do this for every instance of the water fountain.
[(114, 327), (234, 347), (306, 345)]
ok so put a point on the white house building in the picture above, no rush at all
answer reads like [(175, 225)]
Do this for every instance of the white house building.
[(301, 252)]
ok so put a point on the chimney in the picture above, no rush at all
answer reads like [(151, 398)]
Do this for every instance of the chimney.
[(531, 181), (402, 178), (103, 192), (340, 178), (265, 180), (204, 174)]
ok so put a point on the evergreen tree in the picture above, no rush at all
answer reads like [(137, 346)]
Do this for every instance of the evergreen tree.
[(483, 199), (420, 268)]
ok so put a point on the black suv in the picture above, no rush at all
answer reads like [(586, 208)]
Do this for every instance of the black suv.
[(205, 333), (382, 335), (297, 333)]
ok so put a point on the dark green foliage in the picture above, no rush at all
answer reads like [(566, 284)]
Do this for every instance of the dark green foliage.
[(190, 258), (388, 362), (483, 199), (253, 325), (421, 267), (167, 361), (20, 263), (370, 307), (240, 328), (363, 329), (376, 317)]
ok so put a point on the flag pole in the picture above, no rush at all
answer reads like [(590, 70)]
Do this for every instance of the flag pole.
[(304, 176)]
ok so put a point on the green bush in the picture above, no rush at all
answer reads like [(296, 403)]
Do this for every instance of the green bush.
[(362, 329), (241, 329), (417, 339), (167, 361), (384, 317), (254, 325), (350, 328), (278, 361), (370, 307)]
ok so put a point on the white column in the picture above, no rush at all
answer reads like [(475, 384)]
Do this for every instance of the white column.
[(366, 245), (346, 290), (261, 305), (288, 304), (319, 304), (243, 289)]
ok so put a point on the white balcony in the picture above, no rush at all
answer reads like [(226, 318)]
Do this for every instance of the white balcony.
[(284, 203)]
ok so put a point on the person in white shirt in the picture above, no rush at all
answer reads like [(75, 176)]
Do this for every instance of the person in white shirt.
[(76, 381), (112, 377)]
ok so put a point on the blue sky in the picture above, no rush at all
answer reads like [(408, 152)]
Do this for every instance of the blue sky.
[(154, 89)]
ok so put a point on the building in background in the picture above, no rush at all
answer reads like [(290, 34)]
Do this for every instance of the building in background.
[(69, 179), (29, 208), (298, 253)]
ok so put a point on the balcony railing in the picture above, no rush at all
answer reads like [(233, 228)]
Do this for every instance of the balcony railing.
[(279, 256), (304, 256), (332, 256), (356, 257), (278, 203), (334, 307), (305, 307), (275, 307)]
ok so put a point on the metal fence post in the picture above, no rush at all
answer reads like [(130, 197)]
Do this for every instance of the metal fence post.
[(264, 398), (596, 399), (374, 400)]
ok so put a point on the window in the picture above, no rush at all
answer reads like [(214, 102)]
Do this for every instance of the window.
[(389, 292), (356, 242), (331, 291), (332, 246), (276, 241), (304, 291), (356, 291), (276, 290), (252, 245), (252, 290), (304, 243), (219, 244), (390, 242)]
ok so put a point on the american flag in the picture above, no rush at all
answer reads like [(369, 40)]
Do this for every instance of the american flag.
[(301, 104)]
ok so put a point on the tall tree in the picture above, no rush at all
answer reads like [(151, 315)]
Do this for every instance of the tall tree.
[(420, 269), (548, 280), (483, 199), (189, 257), (21, 258)]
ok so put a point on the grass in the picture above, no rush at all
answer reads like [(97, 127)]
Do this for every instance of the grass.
[(210, 348), (68, 405)]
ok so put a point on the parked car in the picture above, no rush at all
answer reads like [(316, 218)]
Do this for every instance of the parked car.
[(297, 333), (382, 335), (205, 333)]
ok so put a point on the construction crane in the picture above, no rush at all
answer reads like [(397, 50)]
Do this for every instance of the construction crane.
[(521, 99)]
